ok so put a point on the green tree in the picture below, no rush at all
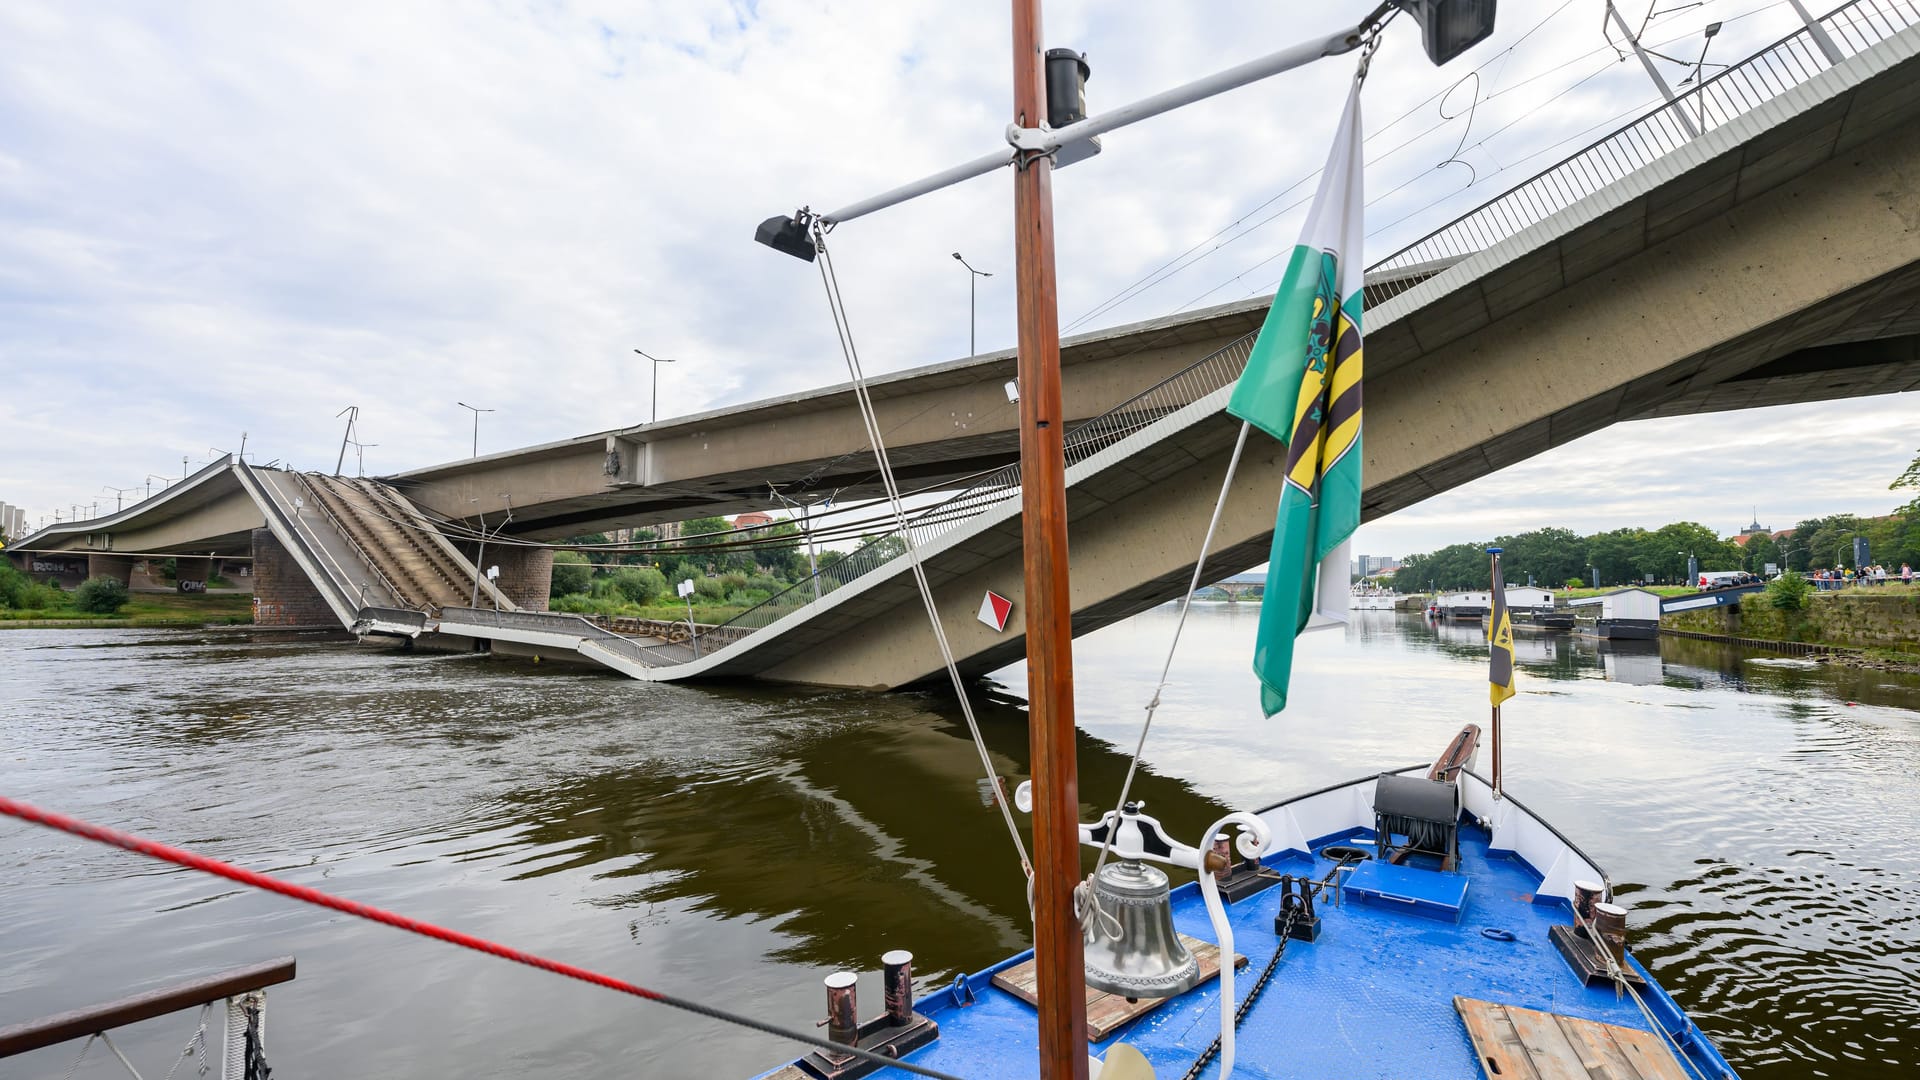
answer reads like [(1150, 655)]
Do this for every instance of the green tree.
[(775, 544), (1613, 554), (572, 573), (640, 584)]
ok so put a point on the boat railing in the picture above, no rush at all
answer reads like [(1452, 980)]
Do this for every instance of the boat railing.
[(241, 989), (1853, 28)]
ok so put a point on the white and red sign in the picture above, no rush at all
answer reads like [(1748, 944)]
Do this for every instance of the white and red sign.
[(994, 610)]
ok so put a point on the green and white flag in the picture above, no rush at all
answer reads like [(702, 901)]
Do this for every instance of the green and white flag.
[(1302, 386)]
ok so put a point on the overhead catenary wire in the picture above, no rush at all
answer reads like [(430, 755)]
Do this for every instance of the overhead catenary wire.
[(141, 845)]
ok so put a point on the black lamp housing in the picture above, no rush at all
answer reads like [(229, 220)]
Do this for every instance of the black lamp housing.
[(1067, 73), (787, 235), (1450, 27)]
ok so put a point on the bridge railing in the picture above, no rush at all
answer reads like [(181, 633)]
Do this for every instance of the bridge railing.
[(552, 622), (1752, 82), (1206, 375)]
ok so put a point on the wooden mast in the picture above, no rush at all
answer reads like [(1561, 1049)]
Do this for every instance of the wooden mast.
[(1060, 972)]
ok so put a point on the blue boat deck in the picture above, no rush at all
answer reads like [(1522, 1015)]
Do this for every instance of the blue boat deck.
[(1373, 997)]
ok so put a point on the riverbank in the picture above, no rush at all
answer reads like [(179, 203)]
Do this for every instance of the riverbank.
[(144, 610), (1881, 624)]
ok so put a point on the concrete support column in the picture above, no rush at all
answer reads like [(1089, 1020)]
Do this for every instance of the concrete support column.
[(117, 567), (282, 595), (526, 574), (190, 574)]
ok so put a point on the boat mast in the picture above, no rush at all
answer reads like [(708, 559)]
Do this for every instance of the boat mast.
[(1060, 988)]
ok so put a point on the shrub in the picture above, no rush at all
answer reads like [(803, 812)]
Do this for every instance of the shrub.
[(640, 584), (13, 587), (710, 588), (100, 596), (1575, 583), (571, 573), (1789, 592)]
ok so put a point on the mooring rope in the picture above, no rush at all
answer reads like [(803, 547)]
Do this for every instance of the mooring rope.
[(140, 845), (844, 329)]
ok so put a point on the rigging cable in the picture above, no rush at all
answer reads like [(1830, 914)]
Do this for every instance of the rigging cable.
[(140, 845), (844, 330)]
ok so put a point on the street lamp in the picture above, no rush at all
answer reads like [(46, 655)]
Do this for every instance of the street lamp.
[(654, 412), (119, 495), (476, 427), (973, 278)]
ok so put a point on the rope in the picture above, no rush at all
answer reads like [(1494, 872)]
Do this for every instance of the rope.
[(844, 329), (1620, 983), (140, 845), (1086, 904)]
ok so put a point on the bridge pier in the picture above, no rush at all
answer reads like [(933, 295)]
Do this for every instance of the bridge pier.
[(117, 567), (526, 574), (282, 595)]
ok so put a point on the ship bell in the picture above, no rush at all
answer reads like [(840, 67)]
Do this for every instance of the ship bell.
[(1146, 959)]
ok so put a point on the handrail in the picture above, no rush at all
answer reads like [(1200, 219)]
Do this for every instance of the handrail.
[(341, 528), (267, 497), (60, 1027), (1713, 103), (543, 621)]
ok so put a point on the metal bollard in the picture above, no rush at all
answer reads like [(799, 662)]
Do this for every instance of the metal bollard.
[(1585, 895), (843, 1009), (1610, 922), (898, 968)]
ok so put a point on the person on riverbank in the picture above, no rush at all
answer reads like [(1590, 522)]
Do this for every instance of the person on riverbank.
[(1879, 575), (1906, 573)]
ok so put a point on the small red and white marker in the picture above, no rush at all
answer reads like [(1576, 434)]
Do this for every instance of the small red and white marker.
[(994, 610)]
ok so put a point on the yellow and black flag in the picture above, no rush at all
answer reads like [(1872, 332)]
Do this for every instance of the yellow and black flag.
[(1499, 639)]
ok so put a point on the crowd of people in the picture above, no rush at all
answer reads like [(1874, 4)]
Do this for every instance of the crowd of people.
[(1866, 575)]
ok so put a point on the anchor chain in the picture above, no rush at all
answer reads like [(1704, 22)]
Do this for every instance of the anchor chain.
[(1253, 993)]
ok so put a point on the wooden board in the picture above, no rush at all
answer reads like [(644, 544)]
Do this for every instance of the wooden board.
[(1525, 1044), (1106, 1012)]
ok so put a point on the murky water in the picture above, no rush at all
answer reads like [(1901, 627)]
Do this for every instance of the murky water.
[(732, 845)]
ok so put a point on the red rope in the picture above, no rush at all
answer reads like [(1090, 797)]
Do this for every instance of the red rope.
[(181, 857)]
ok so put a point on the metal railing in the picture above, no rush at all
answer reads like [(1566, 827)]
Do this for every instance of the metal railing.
[(553, 622), (1741, 88), (340, 527), (1759, 78)]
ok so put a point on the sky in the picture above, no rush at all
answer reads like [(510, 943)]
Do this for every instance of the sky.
[(227, 218)]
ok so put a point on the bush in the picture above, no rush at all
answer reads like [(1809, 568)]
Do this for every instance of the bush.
[(572, 573), (640, 584), (1575, 583), (1790, 592), (100, 596), (711, 588)]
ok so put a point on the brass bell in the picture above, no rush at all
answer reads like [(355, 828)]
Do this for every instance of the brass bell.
[(1146, 958)]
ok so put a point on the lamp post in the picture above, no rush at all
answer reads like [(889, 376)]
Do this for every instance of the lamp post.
[(973, 278), (653, 413), (476, 428), (119, 495), (1693, 567)]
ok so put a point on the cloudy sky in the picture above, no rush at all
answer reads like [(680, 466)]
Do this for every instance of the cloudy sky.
[(228, 217)]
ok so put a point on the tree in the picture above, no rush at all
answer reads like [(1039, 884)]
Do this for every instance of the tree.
[(1789, 592), (640, 584), (1909, 480), (768, 551), (572, 573), (1760, 551)]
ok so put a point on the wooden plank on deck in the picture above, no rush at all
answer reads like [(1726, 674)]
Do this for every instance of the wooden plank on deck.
[(1107, 1012), (1526, 1044)]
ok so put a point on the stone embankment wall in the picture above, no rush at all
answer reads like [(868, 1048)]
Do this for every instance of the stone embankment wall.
[(1886, 617)]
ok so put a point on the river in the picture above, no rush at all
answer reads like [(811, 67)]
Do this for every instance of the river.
[(1760, 818)]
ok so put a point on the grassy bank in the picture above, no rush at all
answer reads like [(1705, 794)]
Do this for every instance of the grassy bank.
[(144, 609)]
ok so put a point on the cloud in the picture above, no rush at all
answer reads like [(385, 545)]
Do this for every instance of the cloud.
[(216, 219)]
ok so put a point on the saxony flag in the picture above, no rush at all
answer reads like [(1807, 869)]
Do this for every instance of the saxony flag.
[(1302, 386), (1499, 639)]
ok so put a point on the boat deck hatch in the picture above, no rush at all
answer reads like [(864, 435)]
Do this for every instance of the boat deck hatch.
[(1432, 894), (1528, 1044)]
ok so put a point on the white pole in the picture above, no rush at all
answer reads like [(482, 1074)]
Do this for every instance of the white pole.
[(1653, 72)]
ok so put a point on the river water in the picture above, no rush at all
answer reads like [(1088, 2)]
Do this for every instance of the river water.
[(1760, 818)]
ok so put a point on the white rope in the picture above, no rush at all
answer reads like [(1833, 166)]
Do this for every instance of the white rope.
[(1094, 919), (1620, 983), (123, 1058), (843, 328)]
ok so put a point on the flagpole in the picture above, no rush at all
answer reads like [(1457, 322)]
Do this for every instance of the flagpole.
[(1060, 989), (1499, 603)]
